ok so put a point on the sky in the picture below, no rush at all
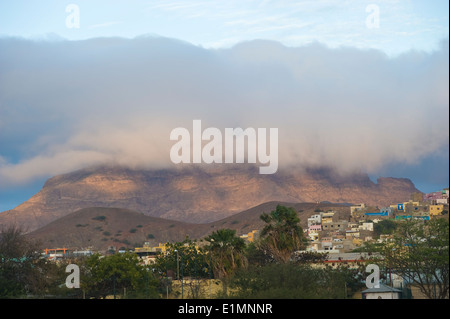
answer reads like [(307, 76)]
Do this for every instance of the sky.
[(356, 85)]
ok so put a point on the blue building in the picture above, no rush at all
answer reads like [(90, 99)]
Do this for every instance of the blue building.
[(377, 214), (385, 211)]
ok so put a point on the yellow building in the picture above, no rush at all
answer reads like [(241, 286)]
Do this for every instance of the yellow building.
[(250, 236), (150, 249), (357, 241), (412, 203), (327, 217), (436, 210)]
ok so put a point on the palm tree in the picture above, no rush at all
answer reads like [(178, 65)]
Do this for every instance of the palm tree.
[(282, 234), (227, 254)]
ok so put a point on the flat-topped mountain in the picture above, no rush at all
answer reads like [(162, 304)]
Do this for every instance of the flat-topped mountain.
[(197, 194)]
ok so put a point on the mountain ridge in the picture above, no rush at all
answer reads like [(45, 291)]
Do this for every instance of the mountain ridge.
[(197, 194)]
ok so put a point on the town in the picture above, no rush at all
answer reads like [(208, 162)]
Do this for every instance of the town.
[(335, 236)]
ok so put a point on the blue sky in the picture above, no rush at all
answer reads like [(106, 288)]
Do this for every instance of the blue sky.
[(403, 25), (400, 50)]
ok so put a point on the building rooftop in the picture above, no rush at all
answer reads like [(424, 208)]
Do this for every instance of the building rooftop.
[(382, 288), (350, 256)]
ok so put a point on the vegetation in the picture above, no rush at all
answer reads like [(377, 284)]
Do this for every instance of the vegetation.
[(419, 253), (227, 254), (384, 227), (182, 259), (292, 280), (109, 275), (282, 234), (187, 263), (21, 267)]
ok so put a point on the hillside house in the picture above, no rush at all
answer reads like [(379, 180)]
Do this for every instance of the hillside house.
[(352, 233), (357, 208), (335, 226), (148, 253), (313, 232), (326, 217), (366, 226), (327, 243), (436, 210), (249, 237), (315, 220)]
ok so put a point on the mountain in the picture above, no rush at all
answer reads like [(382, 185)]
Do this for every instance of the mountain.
[(197, 194), (101, 228)]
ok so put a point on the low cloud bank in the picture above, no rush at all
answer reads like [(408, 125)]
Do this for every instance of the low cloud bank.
[(65, 105)]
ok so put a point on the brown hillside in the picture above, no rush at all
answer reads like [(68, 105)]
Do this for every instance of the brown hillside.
[(100, 228)]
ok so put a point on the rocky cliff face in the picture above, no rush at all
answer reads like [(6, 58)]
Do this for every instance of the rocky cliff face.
[(195, 194)]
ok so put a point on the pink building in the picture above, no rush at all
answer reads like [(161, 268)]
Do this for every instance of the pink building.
[(315, 228), (432, 196)]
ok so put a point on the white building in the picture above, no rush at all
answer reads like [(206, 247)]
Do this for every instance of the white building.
[(314, 220), (382, 292), (366, 226)]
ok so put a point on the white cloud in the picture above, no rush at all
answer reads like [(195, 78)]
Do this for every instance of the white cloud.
[(116, 100)]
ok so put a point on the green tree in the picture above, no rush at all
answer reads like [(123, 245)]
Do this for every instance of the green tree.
[(192, 260), (282, 235), (256, 256), (385, 227), (227, 254), (418, 252), (110, 275), (293, 281), (22, 271)]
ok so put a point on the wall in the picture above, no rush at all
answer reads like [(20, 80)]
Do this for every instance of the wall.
[(382, 295)]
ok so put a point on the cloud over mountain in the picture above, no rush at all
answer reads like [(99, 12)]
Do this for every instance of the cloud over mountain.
[(65, 105)]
